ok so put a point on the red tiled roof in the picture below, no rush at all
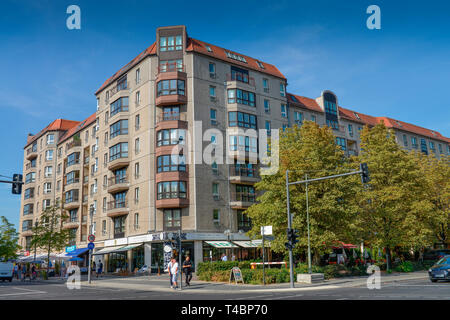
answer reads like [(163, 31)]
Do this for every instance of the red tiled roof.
[(305, 102), (83, 124), (220, 53), (362, 118), (57, 125), (200, 47)]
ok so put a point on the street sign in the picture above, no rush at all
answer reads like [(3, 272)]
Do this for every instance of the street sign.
[(266, 230), (91, 245), (91, 238), (237, 275), (269, 238), (71, 248)]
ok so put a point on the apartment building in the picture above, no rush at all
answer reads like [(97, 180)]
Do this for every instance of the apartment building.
[(119, 178)]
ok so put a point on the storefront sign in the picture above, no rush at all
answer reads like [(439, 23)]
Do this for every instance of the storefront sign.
[(141, 238), (71, 248), (237, 275), (116, 242)]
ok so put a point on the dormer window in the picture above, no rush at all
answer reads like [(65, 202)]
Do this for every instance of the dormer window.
[(357, 116), (208, 48), (235, 57), (260, 64)]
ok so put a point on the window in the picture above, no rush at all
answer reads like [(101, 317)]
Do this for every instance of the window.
[(283, 110), (212, 91), (136, 195), (238, 74), (282, 89), (29, 193), (298, 117), (213, 116), (268, 128), (169, 163), (405, 140), (208, 48), (212, 70), (30, 177), (260, 64), (216, 215), (47, 187), (136, 170), (432, 146), (119, 226), (440, 148), (172, 219), (48, 171), (243, 143), (423, 146), (241, 119), (169, 87), (244, 221), (122, 83), (448, 149), (171, 190), (214, 168), (104, 227), (167, 137), (266, 106), (333, 124), (414, 142), (170, 43), (284, 126), (350, 130), (117, 151), (138, 97), (71, 196), (119, 200), (138, 76), (49, 155), (137, 122), (28, 209), (73, 177), (235, 57), (27, 225), (136, 220), (120, 105), (137, 145), (265, 85), (341, 142), (330, 107), (313, 118), (51, 138), (245, 193), (215, 191), (241, 96), (171, 113), (73, 215), (106, 117)]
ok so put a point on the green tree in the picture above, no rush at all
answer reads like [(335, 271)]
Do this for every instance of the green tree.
[(393, 207), (49, 234), (437, 174), (311, 150), (8, 240)]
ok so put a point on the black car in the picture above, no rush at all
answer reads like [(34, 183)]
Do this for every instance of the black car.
[(440, 270)]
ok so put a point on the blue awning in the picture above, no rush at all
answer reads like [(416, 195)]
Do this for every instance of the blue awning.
[(77, 252)]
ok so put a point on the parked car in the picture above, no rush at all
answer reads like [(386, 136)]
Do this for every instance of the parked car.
[(440, 270), (436, 254), (6, 271)]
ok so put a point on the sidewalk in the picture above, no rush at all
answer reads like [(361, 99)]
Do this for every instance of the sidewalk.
[(161, 284)]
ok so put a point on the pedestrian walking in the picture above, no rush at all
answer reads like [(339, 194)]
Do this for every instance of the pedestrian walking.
[(174, 272), (224, 257), (15, 270), (100, 268), (24, 272), (33, 272), (19, 270), (187, 268), (169, 270), (93, 268)]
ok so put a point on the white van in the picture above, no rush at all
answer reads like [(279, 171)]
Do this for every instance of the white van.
[(6, 271)]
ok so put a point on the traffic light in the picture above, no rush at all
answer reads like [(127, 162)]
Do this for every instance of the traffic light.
[(365, 178), (292, 235), (17, 184)]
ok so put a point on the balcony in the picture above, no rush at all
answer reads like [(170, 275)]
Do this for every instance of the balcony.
[(32, 153), (26, 232), (242, 200), (243, 175), (122, 88), (72, 184), (117, 208), (74, 146), (170, 120), (116, 184), (119, 162), (71, 224), (72, 203), (73, 165), (167, 95), (241, 81), (28, 166), (172, 203)]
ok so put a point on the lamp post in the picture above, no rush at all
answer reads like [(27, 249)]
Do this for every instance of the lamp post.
[(228, 234), (91, 214)]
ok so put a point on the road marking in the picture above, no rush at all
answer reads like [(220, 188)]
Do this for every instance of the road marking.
[(22, 293), (284, 297)]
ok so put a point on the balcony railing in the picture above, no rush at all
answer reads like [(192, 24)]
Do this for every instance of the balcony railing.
[(120, 87), (241, 77), (117, 180), (243, 172), (74, 143), (243, 196), (171, 116), (119, 235), (171, 67), (118, 204)]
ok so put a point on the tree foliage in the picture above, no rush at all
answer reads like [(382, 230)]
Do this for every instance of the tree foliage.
[(310, 150), (8, 240), (394, 209)]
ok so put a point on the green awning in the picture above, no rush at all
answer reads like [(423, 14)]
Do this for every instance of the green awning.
[(221, 244), (131, 246)]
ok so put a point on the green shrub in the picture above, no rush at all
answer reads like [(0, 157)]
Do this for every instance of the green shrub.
[(405, 266)]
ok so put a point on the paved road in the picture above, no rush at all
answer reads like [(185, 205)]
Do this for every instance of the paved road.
[(400, 290)]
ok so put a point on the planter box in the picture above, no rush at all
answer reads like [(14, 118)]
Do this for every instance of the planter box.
[(310, 278)]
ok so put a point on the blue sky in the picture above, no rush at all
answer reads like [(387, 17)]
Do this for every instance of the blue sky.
[(401, 71)]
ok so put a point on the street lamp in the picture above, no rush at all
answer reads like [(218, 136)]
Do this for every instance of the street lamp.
[(91, 215), (228, 234)]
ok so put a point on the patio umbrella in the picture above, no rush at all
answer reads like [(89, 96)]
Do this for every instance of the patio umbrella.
[(76, 259)]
